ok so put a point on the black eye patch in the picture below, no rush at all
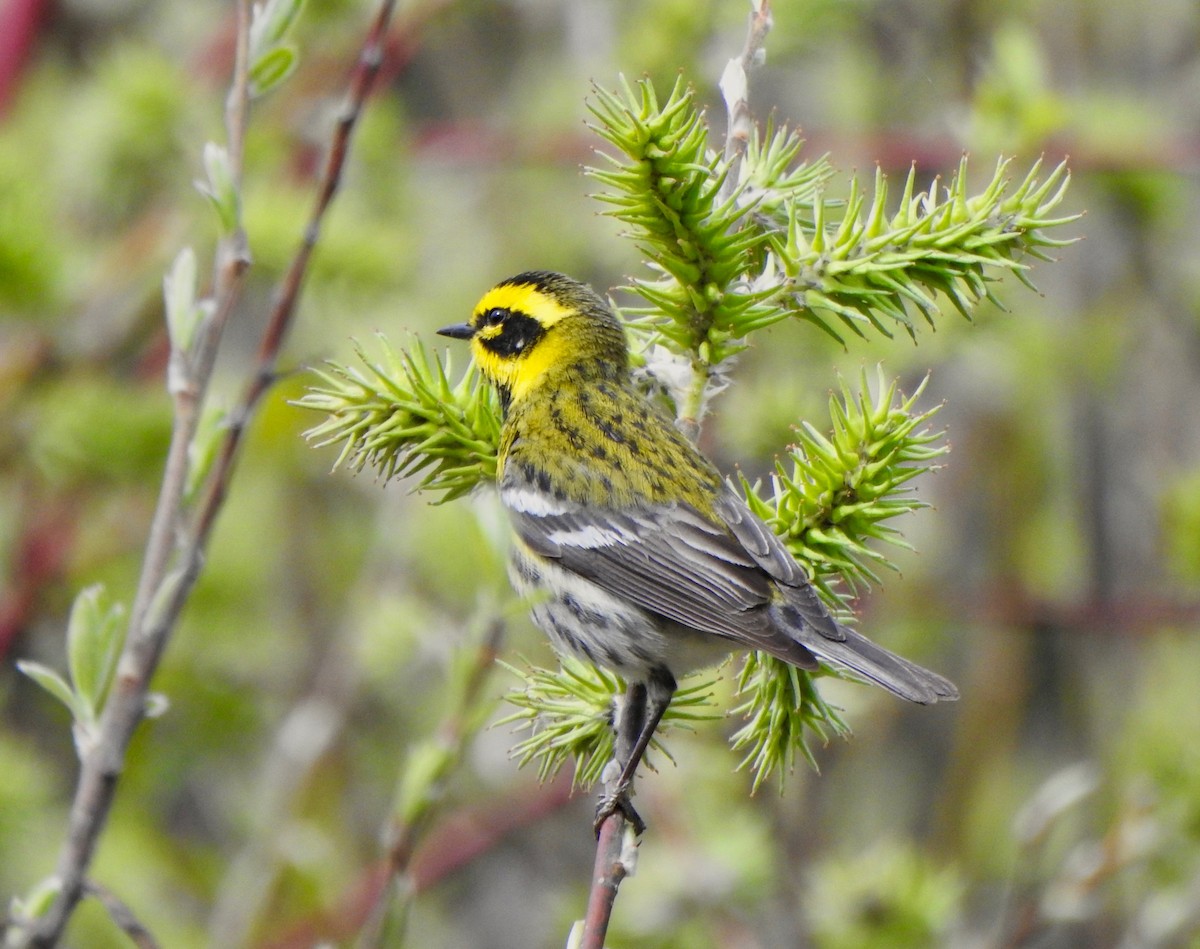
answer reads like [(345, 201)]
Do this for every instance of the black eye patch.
[(519, 331)]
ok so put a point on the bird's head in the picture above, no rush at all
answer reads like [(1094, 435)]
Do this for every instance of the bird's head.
[(530, 326)]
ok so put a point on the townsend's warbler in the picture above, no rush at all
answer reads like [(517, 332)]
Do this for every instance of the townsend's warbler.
[(636, 553)]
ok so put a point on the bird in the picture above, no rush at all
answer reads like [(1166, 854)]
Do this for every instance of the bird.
[(633, 549)]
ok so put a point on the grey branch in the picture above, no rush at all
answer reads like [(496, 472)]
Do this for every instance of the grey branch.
[(122, 915), (735, 89), (167, 581)]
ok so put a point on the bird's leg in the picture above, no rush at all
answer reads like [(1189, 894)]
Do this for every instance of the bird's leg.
[(628, 728), (640, 714)]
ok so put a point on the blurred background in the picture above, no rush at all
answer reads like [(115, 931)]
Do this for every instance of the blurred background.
[(1055, 579)]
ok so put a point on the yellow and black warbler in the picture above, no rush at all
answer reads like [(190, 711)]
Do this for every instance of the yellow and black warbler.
[(637, 554)]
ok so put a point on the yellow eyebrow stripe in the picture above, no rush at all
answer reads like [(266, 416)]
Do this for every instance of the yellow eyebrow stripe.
[(523, 298)]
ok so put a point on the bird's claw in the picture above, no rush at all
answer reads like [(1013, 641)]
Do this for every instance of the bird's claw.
[(618, 800)]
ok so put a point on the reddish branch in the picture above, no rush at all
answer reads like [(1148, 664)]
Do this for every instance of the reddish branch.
[(284, 301), (101, 766), (446, 850), (612, 866), (613, 861)]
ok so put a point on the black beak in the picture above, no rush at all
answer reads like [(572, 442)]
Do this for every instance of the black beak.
[(457, 331)]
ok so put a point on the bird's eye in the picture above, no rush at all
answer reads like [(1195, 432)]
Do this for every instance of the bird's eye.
[(494, 317)]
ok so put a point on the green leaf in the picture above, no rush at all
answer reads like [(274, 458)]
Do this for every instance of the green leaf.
[(832, 490), (57, 686), (95, 635), (782, 708), (179, 297), (667, 189), (403, 416), (270, 24), (272, 68), (34, 904), (219, 187)]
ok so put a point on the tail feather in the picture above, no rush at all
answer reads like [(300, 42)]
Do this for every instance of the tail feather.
[(894, 673), (853, 651)]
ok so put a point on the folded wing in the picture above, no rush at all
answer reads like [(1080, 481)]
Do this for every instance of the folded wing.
[(733, 579)]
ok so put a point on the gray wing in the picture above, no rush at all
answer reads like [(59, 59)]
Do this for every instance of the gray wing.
[(736, 580), (770, 555), (670, 560), (804, 616)]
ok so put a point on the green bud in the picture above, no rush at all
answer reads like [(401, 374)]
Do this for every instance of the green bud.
[(219, 187), (427, 764), (270, 24), (95, 636), (179, 297), (36, 902), (205, 444), (271, 69)]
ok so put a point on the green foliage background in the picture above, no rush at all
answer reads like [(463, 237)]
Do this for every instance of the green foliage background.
[(1056, 580)]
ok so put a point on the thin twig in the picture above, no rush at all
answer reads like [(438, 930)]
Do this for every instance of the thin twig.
[(162, 592), (305, 735), (614, 860), (101, 766), (610, 869), (395, 894), (283, 304), (735, 89), (231, 261), (122, 915)]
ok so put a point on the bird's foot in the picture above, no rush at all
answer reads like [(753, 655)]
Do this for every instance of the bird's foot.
[(618, 800)]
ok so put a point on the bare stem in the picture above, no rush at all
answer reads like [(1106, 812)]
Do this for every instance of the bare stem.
[(735, 89), (614, 861), (609, 870), (122, 915), (283, 302), (101, 767), (385, 919), (163, 590)]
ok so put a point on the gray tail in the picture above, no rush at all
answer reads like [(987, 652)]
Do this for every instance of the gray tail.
[(874, 663), (841, 646)]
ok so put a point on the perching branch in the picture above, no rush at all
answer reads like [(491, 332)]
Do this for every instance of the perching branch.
[(616, 843), (167, 580), (617, 840)]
